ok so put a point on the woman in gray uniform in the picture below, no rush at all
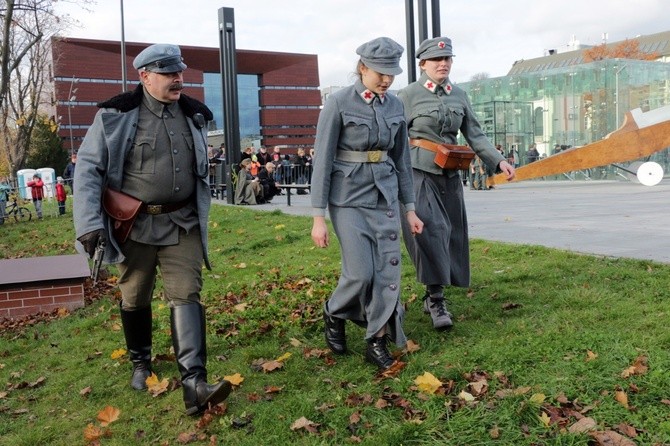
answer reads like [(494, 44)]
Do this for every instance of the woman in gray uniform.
[(362, 174), (436, 110)]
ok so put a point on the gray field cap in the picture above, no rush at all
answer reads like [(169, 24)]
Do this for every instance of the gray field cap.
[(382, 55), (160, 58), (436, 47)]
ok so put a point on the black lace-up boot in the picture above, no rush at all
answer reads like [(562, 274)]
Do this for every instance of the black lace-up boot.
[(377, 353)]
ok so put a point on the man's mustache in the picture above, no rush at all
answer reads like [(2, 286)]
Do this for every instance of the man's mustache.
[(177, 86)]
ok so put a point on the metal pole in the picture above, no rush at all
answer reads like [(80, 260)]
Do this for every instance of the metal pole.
[(423, 20), (435, 11), (231, 118), (411, 52), (71, 98), (123, 53)]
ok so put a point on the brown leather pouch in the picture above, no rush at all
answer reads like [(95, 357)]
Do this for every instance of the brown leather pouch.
[(447, 156), (456, 158), (122, 209)]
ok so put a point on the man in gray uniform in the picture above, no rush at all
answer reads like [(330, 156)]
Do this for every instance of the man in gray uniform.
[(150, 146)]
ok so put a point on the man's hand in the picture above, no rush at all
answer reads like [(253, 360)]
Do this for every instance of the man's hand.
[(90, 241)]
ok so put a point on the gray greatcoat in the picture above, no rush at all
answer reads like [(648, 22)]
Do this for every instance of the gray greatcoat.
[(441, 253), (363, 199), (101, 158)]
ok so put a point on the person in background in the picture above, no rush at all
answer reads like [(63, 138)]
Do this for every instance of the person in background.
[(247, 153), (5, 189), (266, 178), (362, 174), (264, 156), (61, 195), (68, 173), (436, 111), (248, 189), (37, 192), (128, 149), (532, 154), (254, 166)]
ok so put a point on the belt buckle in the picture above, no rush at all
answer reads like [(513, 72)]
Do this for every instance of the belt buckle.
[(374, 156), (154, 209)]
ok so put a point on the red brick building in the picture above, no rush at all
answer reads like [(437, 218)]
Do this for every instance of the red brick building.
[(279, 99)]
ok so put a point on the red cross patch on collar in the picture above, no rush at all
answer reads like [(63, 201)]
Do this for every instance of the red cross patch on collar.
[(430, 85), (448, 88), (368, 96)]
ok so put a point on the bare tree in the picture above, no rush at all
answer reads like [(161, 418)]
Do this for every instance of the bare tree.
[(27, 27)]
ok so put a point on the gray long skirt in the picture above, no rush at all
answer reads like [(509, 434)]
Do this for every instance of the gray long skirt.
[(368, 291), (441, 253)]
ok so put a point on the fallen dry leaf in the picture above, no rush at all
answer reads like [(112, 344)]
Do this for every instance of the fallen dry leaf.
[(85, 391), (590, 356), (284, 357), (271, 366), (304, 423), (621, 398), (610, 438), (412, 346), (108, 415), (586, 424), (92, 433), (639, 367), (465, 396), (427, 383), (156, 386), (116, 354), (235, 379)]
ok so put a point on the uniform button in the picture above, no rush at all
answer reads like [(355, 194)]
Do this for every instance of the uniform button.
[(171, 133), (175, 151), (394, 262), (393, 286), (389, 214), (393, 236), (177, 189), (177, 169)]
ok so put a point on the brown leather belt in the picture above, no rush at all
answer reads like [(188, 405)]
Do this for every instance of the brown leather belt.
[(156, 209), (435, 147)]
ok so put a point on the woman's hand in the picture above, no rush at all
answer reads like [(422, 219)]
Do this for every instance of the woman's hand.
[(415, 223), (507, 169), (320, 232)]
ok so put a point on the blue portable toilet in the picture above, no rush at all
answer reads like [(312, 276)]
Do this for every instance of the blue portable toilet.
[(24, 176), (48, 175)]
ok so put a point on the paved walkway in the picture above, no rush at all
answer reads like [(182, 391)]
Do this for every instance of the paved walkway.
[(610, 218)]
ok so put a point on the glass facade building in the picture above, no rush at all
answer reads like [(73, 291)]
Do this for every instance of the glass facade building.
[(568, 106), (248, 102)]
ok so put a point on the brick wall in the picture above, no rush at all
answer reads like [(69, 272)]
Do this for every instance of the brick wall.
[(23, 299)]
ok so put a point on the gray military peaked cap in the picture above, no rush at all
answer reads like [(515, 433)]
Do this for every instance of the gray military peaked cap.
[(382, 55), (160, 58), (435, 47)]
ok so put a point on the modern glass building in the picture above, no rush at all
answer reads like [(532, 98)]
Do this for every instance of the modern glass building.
[(567, 106)]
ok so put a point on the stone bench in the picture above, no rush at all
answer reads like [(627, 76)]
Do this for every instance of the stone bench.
[(42, 284)]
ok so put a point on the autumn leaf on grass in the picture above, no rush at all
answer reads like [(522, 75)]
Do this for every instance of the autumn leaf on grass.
[(479, 387), (621, 397), (116, 354), (235, 379), (304, 423), (590, 356), (94, 433), (108, 415), (240, 265), (639, 367), (544, 419), (465, 396), (427, 383), (156, 386), (271, 366), (607, 438), (284, 357), (412, 346), (85, 391), (586, 424)]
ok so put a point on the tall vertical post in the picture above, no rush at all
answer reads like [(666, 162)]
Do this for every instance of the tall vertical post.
[(411, 52), (231, 117), (435, 11), (423, 20), (124, 81)]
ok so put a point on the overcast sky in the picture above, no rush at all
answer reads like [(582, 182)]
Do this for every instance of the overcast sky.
[(488, 35)]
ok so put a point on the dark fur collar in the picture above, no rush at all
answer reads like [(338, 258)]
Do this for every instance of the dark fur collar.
[(132, 99)]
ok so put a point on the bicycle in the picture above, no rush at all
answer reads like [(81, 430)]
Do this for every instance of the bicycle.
[(19, 212)]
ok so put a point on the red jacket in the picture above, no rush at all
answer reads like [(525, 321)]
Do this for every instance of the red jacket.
[(36, 189), (61, 195)]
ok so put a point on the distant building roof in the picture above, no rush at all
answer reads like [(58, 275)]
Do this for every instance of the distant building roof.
[(652, 43)]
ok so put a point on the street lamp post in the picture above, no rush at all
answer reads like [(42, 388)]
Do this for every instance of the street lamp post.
[(71, 98)]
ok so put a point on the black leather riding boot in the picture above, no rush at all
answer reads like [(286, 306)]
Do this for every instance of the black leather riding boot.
[(188, 338), (377, 353), (335, 335), (137, 330)]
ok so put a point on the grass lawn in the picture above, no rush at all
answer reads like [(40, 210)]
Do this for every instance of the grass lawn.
[(549, 348)]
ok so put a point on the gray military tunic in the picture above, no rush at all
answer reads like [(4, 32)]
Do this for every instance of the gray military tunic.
[(363, 201), (441, 253)]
